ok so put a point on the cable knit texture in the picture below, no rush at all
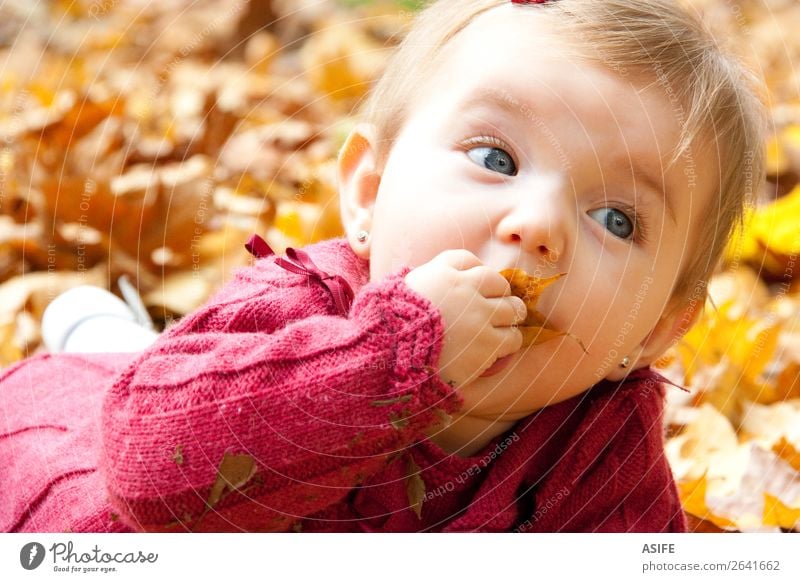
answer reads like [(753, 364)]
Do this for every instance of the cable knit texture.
[(331, 411)]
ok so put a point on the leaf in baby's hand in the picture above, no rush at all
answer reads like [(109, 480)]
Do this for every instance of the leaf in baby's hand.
[(535, 329), (234, 472), (415, 487)]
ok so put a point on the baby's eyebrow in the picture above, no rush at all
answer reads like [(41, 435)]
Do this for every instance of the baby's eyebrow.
[(497, 98), (512, 105), (640, 174)]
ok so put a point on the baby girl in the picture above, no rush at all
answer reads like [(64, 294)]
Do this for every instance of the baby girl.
[(378, 382)]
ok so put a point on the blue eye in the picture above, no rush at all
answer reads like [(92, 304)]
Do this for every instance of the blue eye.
[(616, 221), (494, 159)]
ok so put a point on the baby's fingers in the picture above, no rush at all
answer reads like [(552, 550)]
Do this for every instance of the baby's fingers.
[(510, 341), (488, 282), (507, 311)]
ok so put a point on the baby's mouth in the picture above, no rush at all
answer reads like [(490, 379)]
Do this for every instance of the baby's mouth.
[(499, 365)]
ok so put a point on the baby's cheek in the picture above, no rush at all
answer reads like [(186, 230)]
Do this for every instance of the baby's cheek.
[(603, 325)]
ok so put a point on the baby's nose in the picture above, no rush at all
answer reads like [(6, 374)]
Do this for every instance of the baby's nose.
[(548, 250), (540, 229)]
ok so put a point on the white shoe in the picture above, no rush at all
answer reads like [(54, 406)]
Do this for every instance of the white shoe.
[(90, 319)]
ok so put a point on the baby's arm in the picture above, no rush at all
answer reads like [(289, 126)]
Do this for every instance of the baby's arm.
[(319, 403)]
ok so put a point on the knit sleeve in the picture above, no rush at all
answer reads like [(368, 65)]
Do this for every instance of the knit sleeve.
[(613, 475), (236, 419)]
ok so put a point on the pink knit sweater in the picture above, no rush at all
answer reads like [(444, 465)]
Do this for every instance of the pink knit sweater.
[(320, 416)]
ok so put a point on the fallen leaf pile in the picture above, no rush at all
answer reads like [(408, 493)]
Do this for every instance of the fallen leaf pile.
[(151, 139), (734, 439)]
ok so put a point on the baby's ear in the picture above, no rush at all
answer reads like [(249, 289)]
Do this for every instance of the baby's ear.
[(672, 326), (358, 180)]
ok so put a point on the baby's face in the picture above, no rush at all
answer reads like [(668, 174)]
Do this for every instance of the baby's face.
[(531, 158)]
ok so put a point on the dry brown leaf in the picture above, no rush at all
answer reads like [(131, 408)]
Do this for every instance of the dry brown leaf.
[(177, 456), (179, 293), (787, 385), (34, 291), (415, 487), (233, 473), (340, 60)]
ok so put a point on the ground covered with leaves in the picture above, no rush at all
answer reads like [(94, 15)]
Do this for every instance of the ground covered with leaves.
[(150, 139)]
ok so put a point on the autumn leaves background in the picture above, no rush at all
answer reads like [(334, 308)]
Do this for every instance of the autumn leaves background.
[(129, 127)]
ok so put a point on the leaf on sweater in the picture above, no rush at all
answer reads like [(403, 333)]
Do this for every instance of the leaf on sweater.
[(353, 442), (233, 473), (399, 421), (415, 487), (390, 401), (177, 456), (535, 329)]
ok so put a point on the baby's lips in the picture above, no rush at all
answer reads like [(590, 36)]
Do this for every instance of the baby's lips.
[(498, 366)]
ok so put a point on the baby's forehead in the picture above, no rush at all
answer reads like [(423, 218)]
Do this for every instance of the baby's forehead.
[(518, 58), (558, 96)]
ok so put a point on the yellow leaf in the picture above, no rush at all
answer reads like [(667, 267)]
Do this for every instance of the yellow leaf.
[(693, 498), (306, 222), (771, 236), (742, 246), (9, 350), (788, 383), (786, 451), (777, 161), (341, 60), (777, 225), (778, 514), (761, 348), (790, 137)]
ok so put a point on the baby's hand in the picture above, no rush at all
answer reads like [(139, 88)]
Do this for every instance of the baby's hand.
[(478, 310)]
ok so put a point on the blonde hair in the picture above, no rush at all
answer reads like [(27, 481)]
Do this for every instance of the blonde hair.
[(718, 98)]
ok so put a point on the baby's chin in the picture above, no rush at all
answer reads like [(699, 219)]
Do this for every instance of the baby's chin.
[(533, 378)]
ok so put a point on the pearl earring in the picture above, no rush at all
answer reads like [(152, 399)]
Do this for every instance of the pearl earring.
[(626, 361), (362, 236)]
